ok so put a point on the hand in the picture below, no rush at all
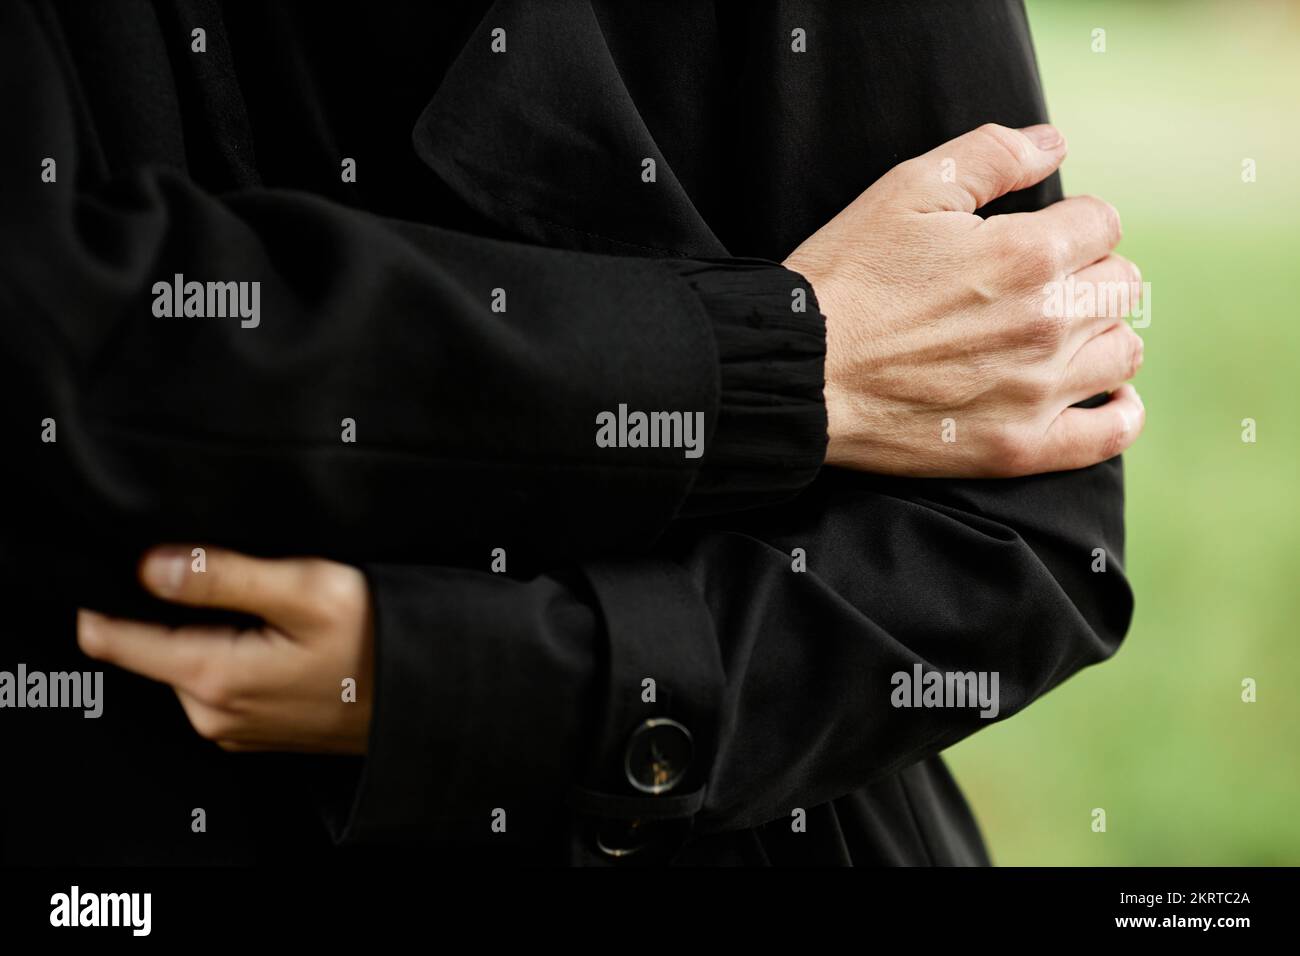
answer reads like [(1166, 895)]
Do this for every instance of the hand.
[(943, 359), (278, 687)]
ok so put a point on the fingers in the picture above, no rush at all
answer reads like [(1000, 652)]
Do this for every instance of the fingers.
[(1109, 289), (1078, 231), (183, 657), (271, 589), (972, 170), (1093, 301), (1105, 362), (1085, 436)]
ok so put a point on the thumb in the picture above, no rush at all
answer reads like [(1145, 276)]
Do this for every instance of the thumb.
[(270, 589), (969, 172)]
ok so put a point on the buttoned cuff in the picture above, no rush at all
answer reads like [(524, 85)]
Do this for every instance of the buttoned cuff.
[(659, 714), (596, 696), (482, 703)]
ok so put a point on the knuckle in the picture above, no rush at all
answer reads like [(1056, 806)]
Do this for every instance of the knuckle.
[(1037, 388), (335, 592), (1108, 219), (1032, 259), (1012, 452), (1003, 142), (210, 724), (212, 685), (1019, 260), (1046, 331), (909, 170), (1051, 255), (315, 586), (343, 590), (1115, 439)]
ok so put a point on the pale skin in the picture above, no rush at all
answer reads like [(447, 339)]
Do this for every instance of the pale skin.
[(933, 314), (277, 687)]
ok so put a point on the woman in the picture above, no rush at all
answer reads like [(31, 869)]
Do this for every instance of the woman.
[(473, 238)]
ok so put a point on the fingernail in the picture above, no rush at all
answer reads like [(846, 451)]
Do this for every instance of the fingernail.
[(1044, 135), (164, 569)]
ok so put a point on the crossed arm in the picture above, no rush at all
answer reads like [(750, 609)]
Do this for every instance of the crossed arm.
[(523, 688), (182, 433)]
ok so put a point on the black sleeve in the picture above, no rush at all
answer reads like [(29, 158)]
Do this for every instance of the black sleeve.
[(528, 694), (472, 427), (771, 437)]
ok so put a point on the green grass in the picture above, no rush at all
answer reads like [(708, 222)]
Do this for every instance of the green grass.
[(1188, 774)]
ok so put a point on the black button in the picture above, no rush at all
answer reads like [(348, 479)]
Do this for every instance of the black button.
[(658, 755)]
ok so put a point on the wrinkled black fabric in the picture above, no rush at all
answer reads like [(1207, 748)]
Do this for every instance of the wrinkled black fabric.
[(202, 430), (500, 691)]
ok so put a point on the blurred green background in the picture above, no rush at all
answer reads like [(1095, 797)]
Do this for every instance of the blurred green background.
[(1159, 737)]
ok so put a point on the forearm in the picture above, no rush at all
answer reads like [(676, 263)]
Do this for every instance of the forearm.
[(784, 677)]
